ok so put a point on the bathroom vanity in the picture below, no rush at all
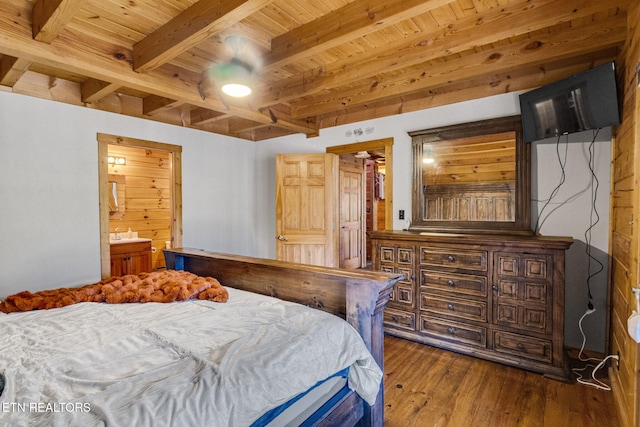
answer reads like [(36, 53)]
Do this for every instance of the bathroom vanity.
[(130, 256)]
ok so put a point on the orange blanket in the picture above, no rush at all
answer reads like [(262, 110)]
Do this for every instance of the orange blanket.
[(159, 286)]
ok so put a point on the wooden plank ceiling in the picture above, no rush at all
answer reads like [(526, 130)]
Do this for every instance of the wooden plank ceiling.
[(316, 63)]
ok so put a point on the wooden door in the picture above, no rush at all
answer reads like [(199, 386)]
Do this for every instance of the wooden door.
[(352, 213), (307, 209), (370, 206)]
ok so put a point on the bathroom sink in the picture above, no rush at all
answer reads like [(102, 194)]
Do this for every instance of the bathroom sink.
[(122, 238), (113, 241)]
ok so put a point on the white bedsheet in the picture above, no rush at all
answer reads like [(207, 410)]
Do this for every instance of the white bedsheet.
[(195, 363)]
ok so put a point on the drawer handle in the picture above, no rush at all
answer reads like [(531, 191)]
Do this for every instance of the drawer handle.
[(520, 346), (450, 306), (394, 318), (451, 331), (451, 283), (451, 258)]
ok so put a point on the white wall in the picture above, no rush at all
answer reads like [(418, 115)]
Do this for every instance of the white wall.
[(570, 213), (568, 221), (49, 219)]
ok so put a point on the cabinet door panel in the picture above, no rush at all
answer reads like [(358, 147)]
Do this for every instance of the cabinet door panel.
[(131, 258), (524, 292), (399, 259)]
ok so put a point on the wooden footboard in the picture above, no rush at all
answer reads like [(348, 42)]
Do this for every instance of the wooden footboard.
[(358, 296)]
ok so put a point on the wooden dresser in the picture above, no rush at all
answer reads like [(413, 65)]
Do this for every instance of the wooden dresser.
[(495, 297)]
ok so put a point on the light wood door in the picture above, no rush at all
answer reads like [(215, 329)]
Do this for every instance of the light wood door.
[(307, 208), (352, 214)]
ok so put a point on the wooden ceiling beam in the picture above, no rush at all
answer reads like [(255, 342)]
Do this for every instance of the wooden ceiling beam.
[(12, 69), (197, 23), (51, 16), (237, 125), (483, 86), (153, 104), (263, 133), (283, 119), (201, 116), (353, 20), (76, 56), (93, 90), (465, 34), (420, 78)]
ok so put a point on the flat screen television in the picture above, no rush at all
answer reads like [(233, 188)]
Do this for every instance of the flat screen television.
[(584, 101)]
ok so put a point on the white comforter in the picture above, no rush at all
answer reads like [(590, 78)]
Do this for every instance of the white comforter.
[(195, 363)]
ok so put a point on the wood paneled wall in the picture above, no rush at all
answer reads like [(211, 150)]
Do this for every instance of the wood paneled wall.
[(625, 204), (147, 176)]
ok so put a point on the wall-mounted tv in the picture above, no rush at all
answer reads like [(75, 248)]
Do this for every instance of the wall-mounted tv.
[(584, 101)]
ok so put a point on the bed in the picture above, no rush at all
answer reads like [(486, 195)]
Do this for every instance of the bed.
[(248, 361)]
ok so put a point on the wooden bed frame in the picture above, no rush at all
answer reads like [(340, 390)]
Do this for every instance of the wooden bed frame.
[(358, 296)]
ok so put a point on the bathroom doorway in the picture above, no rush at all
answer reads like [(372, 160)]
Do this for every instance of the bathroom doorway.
[(140, 189)]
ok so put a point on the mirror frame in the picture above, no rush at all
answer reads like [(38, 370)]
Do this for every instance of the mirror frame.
[(522, 222)]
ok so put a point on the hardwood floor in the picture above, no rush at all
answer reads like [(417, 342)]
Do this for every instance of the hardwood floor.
[(426, 386)]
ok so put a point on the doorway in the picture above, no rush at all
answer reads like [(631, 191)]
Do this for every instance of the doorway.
[(147, 183), (377, 199)]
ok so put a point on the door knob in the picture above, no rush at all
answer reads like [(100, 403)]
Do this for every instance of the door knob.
[(282, 238)]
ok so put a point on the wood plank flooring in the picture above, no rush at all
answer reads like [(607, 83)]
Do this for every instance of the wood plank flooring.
[(426, 386)]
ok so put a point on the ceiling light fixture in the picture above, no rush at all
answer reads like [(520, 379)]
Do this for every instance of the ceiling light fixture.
[(362, 155), (235, 78)]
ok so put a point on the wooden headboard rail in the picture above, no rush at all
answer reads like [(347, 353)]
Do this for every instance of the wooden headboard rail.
[(358, 296)]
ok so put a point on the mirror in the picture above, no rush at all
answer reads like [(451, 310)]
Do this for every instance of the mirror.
[(113, 196), (472, 177), (116, 196)]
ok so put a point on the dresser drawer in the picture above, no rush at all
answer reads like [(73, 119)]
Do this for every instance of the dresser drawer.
[(407, 273), (454, 258), (402, 297), (399, 319), (453, 331), (521, 346), (456, 307), (396, 255), (464, 284)]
